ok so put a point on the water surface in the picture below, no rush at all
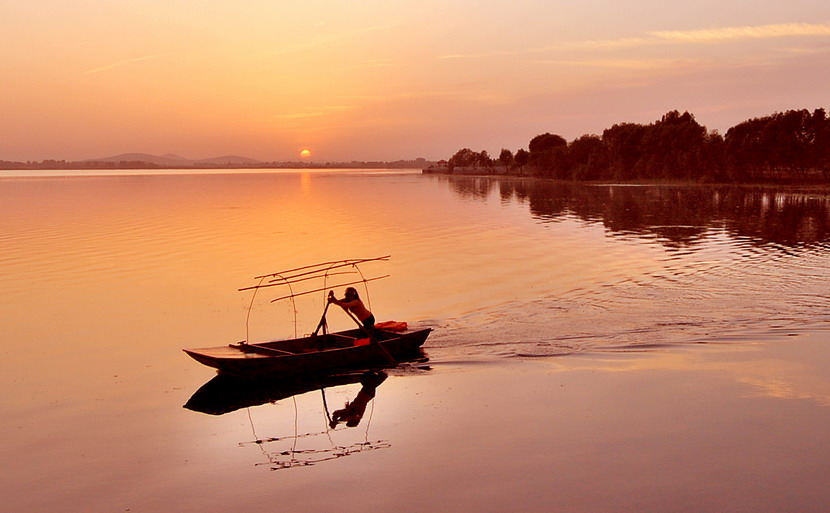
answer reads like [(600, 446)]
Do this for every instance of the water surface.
[(106, 278)]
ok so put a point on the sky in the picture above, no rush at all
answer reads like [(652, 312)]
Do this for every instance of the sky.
[(387, 80)]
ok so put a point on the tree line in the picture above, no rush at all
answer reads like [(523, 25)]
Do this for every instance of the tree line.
[(789, 146)]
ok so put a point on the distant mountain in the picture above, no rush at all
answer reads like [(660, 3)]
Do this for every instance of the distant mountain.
[(173, 156), (170, 159)]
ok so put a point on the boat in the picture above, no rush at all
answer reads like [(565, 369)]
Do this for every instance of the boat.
[(320, 352), (315, 354)]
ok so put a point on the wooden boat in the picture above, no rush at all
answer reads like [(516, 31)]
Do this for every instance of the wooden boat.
[(314, 354), (390, 343)]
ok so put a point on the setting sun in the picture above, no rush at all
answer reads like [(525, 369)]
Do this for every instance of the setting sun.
[(304, 154)]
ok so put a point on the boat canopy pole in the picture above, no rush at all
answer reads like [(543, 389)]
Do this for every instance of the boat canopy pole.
[(248, 316), (251, 306), (333, 264), (326, 288), (319, 273), (293, 304), (322, 324), (275, 283)]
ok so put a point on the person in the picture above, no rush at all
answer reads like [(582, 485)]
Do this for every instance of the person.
[(351, 303)]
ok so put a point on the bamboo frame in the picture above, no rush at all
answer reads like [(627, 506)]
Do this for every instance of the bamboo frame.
[(340, 263), (311, 272), (276, 282), (330, 287)]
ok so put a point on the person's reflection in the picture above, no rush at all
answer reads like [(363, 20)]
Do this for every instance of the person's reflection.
[(353, 411)]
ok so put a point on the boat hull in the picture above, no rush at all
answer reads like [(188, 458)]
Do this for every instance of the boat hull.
[(312, 355)]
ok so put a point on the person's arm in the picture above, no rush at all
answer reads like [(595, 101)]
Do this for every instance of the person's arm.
[(342, 303), (348, 305)]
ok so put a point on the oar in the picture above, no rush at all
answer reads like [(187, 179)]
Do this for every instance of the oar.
[(323, 318), (373, 339)]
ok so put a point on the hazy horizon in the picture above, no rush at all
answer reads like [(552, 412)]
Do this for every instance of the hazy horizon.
[(173, 160), (386, 81)]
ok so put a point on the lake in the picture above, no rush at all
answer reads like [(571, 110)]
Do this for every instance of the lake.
[(596, 347)]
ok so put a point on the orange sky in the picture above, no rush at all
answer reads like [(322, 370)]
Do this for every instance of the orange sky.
[(388, 80)]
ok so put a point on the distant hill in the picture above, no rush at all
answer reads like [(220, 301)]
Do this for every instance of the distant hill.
[(170, 159)]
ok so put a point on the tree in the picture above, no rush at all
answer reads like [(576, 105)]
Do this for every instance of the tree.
[(673, 146), (522, 158), (483, 159), (545, 142), (587, 158), (547, 154), (506, 158), (463, 158), (624, 145), (788, 144)]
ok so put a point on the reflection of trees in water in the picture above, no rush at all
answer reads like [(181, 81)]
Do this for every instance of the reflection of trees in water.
[(675, 215), (470, 187)]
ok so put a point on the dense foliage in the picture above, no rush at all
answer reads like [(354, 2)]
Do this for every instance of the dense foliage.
[(794, 145)]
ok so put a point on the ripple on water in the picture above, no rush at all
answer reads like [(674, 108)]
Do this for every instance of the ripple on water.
[(500, 269), (724, 291)]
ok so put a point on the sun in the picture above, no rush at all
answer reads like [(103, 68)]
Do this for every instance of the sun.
[(305, 154)]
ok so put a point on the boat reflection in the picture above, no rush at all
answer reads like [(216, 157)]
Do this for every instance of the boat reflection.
[(224, 394)]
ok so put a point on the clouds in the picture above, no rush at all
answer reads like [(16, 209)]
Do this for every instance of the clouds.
[(638, 50), (743, 33), (699, 36)]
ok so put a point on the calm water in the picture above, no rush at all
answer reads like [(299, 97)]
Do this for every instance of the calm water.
[(106, 278)]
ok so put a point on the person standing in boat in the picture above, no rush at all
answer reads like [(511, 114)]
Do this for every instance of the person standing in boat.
[(351, 303)]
